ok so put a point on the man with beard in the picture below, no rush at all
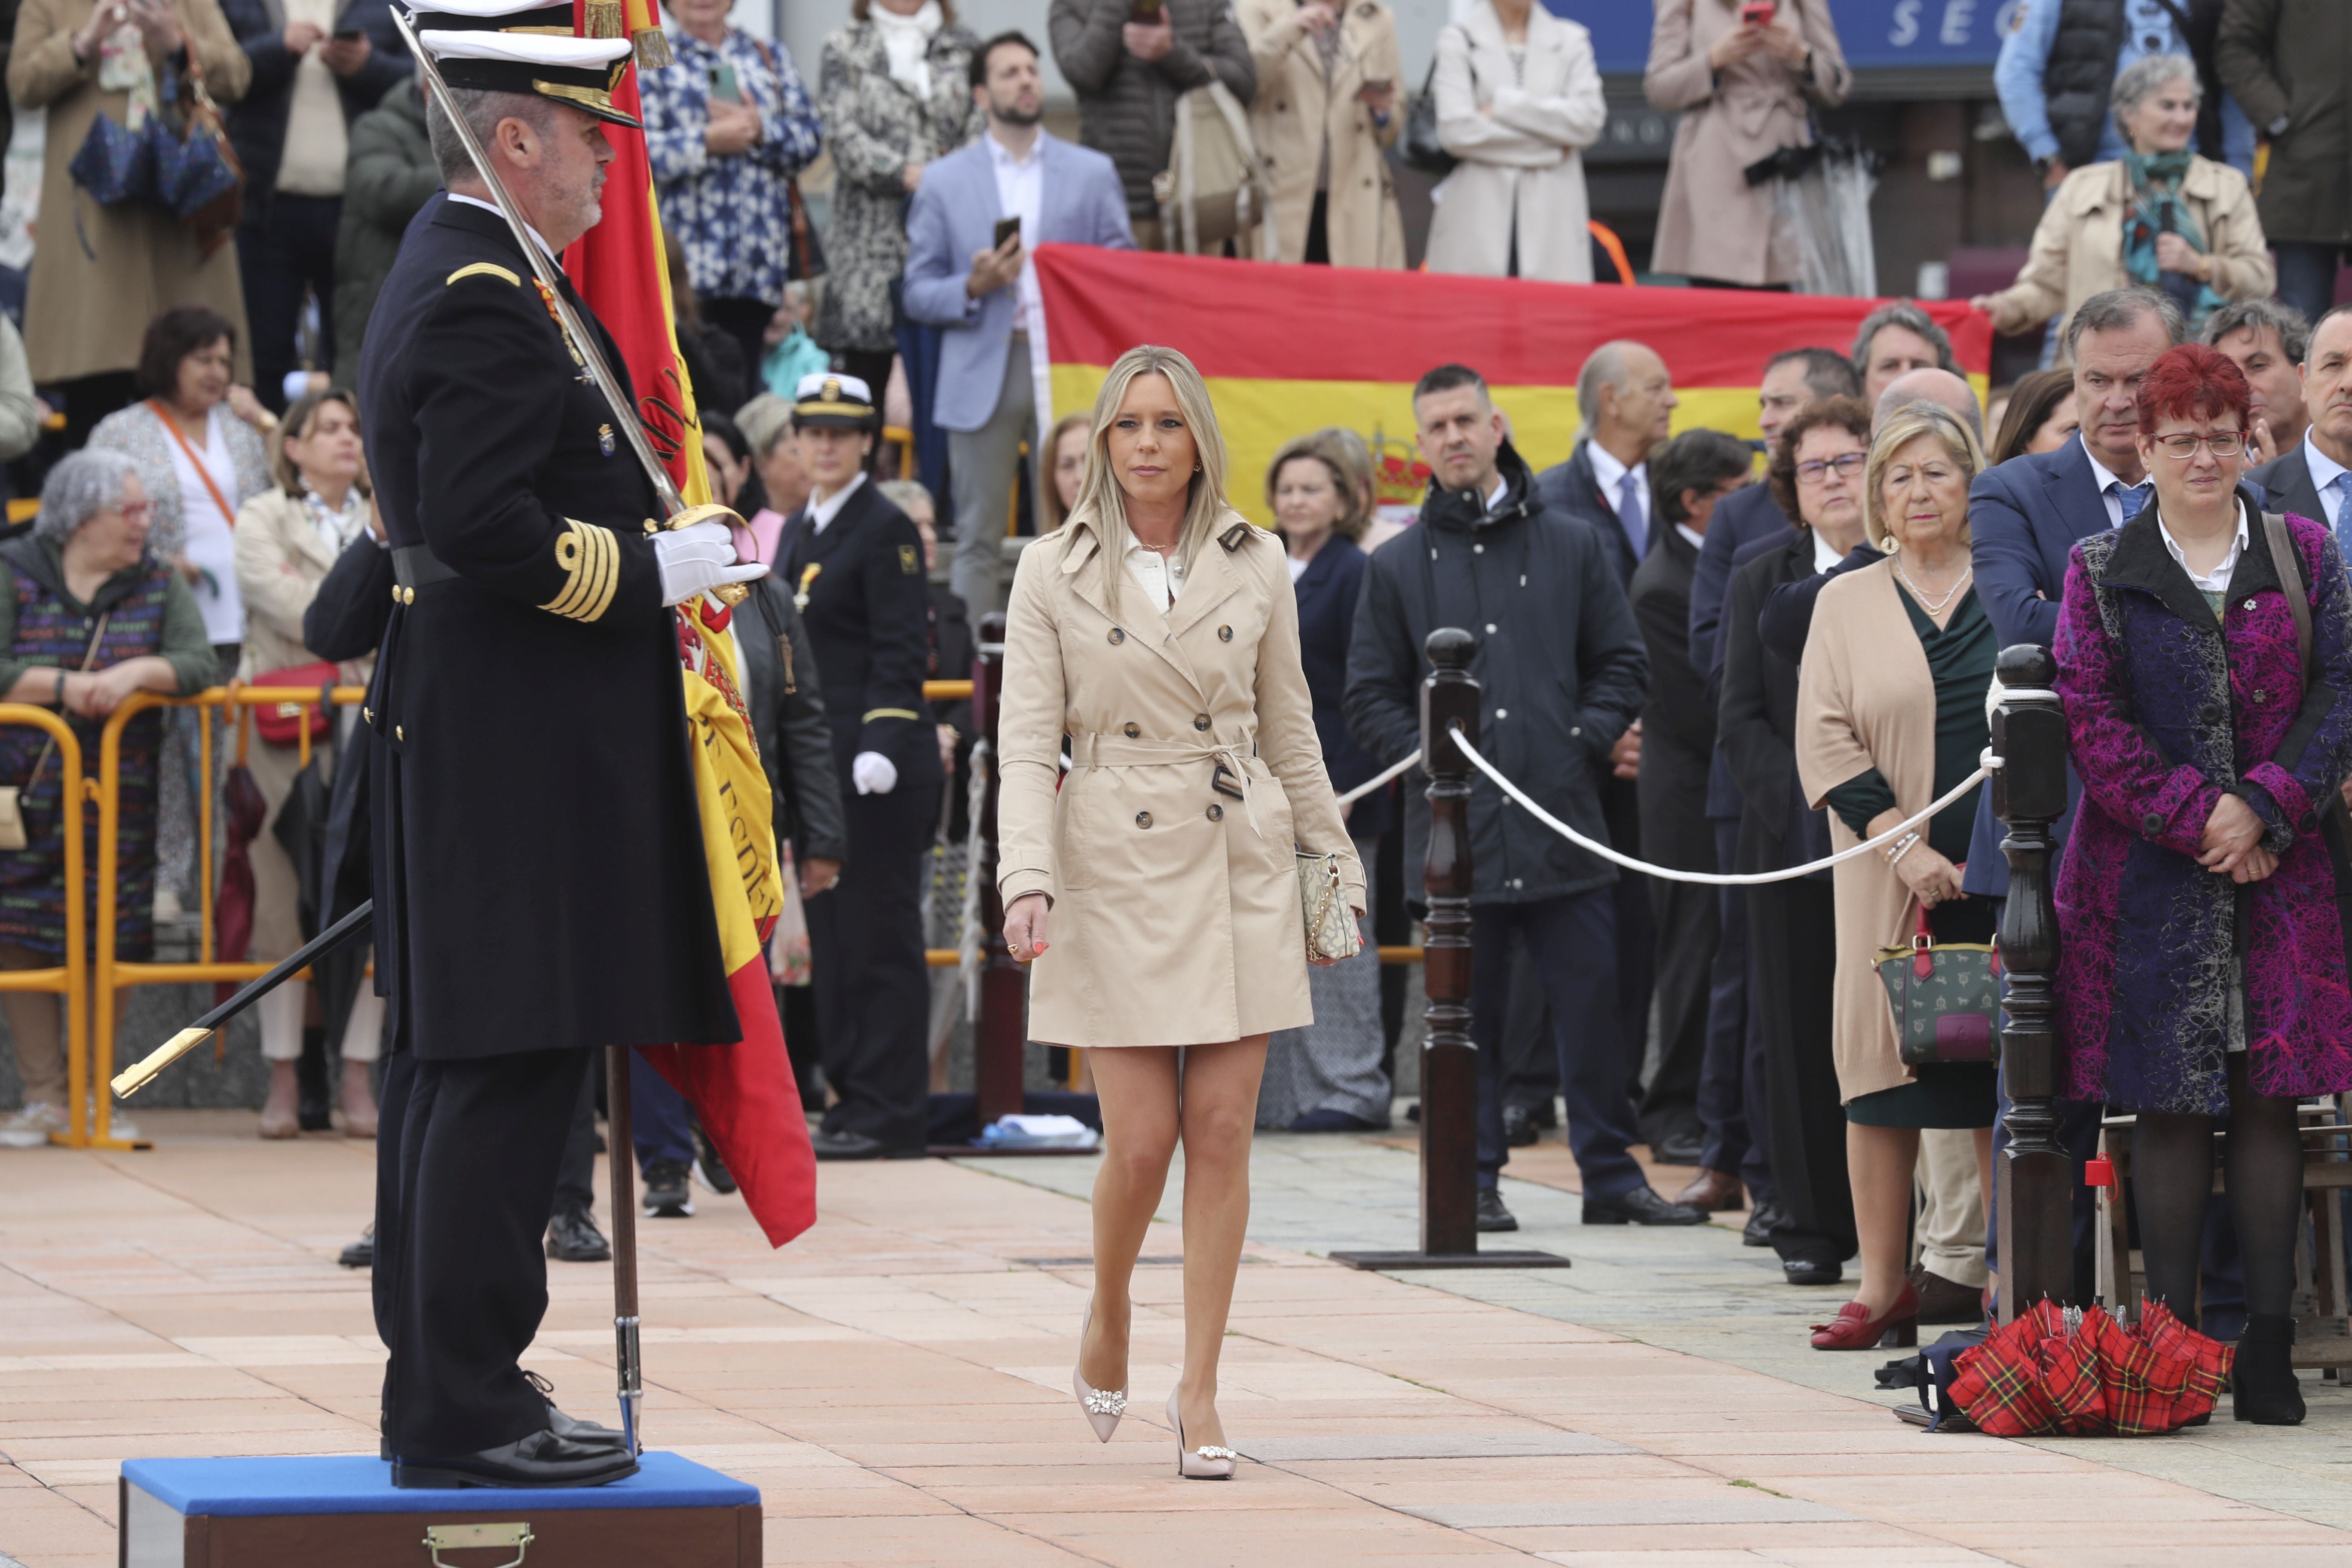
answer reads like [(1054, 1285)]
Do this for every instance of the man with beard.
[(1561, 672), (977, 215), (540, 887)]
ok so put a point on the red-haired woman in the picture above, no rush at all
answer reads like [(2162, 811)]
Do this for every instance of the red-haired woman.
[(2204, 969)]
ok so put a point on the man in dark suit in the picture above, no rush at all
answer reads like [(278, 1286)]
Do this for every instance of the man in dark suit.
[(2312, 477), (1694, 474), (527, 700), (855, 565), (1626, 399)]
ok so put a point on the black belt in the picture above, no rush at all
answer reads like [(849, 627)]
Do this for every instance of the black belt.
[(414, 566)]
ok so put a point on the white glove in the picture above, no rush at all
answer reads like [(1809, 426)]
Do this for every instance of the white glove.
[(698, 558), (873, 773)]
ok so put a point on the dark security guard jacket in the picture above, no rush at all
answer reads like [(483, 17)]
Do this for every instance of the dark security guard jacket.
[(539, 878)]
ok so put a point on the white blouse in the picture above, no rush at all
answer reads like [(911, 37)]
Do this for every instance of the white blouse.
[(1160, 576)]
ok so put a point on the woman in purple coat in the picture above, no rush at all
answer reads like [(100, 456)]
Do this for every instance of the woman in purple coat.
[(2203, 970)]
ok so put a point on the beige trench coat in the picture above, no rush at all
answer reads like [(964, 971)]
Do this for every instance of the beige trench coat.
[(1865, 700), (1520, 164), (280, 560), (1296, 108), (1175, 916), (1711, 222), (100, 274), (2078, 247)]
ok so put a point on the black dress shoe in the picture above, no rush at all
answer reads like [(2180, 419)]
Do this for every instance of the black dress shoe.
[(708, 1168), (563, 1425), (543, 1459), (1758, 1231), (1643, 1206), (1492, 1214), (572, 1237), (668, 1194), (1519, 1127), (845, 1146), (360, 1253), (1943, 1300), (1677, 1148), (1812, 1270)]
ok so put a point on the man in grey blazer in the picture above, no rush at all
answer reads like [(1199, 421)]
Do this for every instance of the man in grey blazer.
[(985, 294)]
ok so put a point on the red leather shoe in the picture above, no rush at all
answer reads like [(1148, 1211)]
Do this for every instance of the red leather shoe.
[(1853, 1330)]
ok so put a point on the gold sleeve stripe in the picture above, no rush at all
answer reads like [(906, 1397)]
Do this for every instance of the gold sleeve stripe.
[(591, 559), (874, 713), (482, 269)]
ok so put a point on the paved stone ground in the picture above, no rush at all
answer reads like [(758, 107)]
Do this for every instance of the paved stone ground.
[(897, 1381)]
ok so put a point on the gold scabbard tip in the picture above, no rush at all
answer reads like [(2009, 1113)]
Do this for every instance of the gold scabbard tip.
[(139, 1074), (731, 593)]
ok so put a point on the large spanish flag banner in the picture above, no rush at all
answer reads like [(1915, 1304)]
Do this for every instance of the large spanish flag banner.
[(744, 1092), (1287, 350)]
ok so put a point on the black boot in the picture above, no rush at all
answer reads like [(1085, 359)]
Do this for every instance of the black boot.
[(2264, 1388), (313, 1106)]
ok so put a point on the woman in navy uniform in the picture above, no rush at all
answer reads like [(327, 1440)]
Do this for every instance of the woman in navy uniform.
[(854, 565), (540, 882)]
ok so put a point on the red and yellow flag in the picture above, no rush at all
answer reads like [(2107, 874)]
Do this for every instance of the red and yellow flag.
[(745, 1092), (1287, 350)]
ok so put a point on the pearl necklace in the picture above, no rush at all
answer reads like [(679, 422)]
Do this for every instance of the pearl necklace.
[(1934, 606)]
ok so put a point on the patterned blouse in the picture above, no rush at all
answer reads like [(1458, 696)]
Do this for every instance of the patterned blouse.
[(732, 215)]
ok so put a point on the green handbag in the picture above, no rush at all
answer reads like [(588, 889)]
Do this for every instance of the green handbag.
[(1947, 998)]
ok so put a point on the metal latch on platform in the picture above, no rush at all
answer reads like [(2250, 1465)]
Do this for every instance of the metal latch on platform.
[(440, 1538)]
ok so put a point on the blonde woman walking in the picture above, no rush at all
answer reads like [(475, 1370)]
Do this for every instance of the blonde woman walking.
[(1160, 632)]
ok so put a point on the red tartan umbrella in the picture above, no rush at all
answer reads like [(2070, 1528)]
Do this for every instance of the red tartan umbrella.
[(2082, 1373)]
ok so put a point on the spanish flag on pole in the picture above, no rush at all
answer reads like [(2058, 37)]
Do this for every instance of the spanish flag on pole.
[(1287, 350), (744, 1092)]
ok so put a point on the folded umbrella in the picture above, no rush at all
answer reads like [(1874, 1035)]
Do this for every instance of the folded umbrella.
[(2079, 1373)]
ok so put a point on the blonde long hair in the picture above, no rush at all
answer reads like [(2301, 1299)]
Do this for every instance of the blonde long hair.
[(1100, 496), (1902, 426)]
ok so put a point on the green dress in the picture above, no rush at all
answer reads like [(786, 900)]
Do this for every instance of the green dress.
[(1960, 660)]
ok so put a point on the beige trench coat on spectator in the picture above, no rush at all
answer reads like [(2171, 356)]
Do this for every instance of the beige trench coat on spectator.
[(1175, 917), (1865, 700), (1521, 161), (100, 274), (2078, 247), (1711, 222), (280, 560), (1296, 108)]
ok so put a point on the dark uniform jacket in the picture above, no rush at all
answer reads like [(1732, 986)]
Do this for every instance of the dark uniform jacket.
[(539, 878), (1559, 665), (1758, 720), (788, 720), (1677, 721), (869, 619)]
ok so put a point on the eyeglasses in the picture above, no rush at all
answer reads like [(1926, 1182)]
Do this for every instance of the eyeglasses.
[(2221, 443), (137, 510), (1847, 464)]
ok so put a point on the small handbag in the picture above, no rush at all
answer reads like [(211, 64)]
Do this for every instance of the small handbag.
[(1946, 995), (114, 164), (282, 723), (1418, 144), (198, 175), (1322, 896), (12, 801)]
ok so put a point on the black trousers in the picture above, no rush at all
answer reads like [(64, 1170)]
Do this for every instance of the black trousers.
[(286, 250), (460, 1275), (1732, 1086), (1637, 929), (873, 990), (575, 1178), (1793, 951), (1688, 927)]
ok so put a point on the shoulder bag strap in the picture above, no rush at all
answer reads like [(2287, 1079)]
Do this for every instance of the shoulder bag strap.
[(88, 654), (228, 513), (2289, 563)]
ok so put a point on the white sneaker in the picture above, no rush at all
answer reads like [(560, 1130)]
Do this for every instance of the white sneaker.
[(30, 1128), (122, 1127)]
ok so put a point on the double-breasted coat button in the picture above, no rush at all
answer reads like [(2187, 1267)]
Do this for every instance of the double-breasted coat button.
[(1216, 814), (1143, 819), (1224, 634), (1129, 731), (1199, 721), (1116, 637), (2153, 822)]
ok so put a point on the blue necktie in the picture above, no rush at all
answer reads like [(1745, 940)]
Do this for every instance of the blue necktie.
[(1629, 513), (2342, 486), (2133, 497)]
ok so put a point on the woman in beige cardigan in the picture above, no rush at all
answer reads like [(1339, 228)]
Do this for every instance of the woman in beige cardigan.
[(1890, 716), (287, 539), (2161, 217), (1326, 112), (1160, 633)]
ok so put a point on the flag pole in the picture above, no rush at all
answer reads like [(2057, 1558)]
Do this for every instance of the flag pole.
[(621, 1151)]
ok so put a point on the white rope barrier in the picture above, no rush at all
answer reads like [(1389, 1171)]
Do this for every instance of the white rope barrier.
[(1368, 786), (1715, 879)]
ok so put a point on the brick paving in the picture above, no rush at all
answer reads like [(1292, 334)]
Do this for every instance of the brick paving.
[(896, 1381)]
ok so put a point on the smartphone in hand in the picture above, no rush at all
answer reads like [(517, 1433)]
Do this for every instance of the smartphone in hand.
[(1007, 228), (723, 85), (1758, 13)]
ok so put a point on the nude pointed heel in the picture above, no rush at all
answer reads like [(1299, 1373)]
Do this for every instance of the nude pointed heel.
[(1101, 1407), (1206, 1463)]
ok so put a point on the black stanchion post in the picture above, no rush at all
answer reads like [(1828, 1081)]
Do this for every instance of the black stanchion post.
[(2035, 1176), (1449, 1058), (999, 1035)]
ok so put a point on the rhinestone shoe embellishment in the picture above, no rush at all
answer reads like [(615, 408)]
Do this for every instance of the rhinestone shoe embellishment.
[(1105, 1401), (1216, 1453)]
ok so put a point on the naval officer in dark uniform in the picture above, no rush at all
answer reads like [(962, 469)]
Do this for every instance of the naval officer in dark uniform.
[(540, 881), (855, 565)]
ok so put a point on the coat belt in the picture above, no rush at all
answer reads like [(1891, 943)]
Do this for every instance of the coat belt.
[(1093, 750)]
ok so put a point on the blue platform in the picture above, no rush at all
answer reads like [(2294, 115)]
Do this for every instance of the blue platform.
[(357, 1484)]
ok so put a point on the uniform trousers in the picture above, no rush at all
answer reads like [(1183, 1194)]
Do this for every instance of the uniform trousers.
[(467, 1158), (1572, 944), (1792, 974), (1732, 1085), (982, 465), (873, 990), (575, 1177)]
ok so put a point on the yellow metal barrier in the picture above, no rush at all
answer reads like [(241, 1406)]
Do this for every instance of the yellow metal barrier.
[(70, 980)]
